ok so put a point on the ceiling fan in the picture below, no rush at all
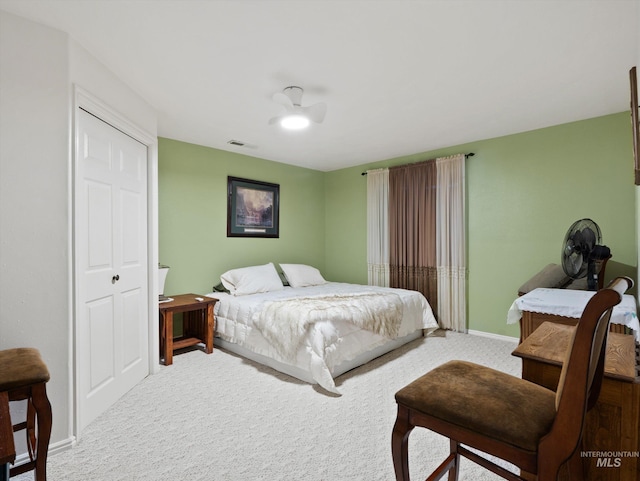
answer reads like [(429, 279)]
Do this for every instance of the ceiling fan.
[(296, 116)]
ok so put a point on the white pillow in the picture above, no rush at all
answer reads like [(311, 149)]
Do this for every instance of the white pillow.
[(300, 275), (251, 280)]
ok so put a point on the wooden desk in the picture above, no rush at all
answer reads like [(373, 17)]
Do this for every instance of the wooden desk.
[(198, 324), (614, 422), (7, 448)]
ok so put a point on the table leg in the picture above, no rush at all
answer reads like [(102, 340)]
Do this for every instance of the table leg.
[(168, 338), (208, 331)]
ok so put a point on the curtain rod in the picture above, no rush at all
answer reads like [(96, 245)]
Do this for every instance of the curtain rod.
[(466, 156)]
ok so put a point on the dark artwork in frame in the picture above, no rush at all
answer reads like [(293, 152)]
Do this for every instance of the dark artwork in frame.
[(253, 208)]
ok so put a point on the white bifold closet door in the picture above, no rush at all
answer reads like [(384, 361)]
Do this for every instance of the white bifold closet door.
[(110, 215)]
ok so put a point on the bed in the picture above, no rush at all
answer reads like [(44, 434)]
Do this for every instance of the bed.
[(304, 326)]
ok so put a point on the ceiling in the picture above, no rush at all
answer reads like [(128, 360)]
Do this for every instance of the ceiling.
[(399, 77)]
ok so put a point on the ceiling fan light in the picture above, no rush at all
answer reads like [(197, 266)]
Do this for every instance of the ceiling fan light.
[(295, 122)]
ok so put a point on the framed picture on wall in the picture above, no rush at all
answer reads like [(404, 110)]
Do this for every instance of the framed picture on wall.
[(253, 208)]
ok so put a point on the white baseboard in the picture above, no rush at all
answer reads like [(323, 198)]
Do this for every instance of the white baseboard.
[(54, 449), (494, 336)]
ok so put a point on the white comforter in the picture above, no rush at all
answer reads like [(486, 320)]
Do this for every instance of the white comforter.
[(337, 327)]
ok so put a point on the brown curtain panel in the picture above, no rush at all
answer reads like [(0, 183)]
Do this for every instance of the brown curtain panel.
[(412, 229)]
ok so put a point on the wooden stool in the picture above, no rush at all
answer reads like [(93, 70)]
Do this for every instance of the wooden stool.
[(23, 375)]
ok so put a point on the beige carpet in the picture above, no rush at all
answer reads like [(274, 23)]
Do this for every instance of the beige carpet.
[(220, 417)]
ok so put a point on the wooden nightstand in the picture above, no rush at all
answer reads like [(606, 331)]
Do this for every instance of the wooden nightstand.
[(198, 324)]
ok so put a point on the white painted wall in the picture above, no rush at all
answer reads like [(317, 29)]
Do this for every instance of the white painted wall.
[(38, 68), (87, 72), (34, 160)]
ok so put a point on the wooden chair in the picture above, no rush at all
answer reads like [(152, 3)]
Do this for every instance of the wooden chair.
[(504, 416), (23, 375)]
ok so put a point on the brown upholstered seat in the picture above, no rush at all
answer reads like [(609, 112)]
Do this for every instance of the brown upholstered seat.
[(21, 367), (520, 422), (520, 415), (23, 375)]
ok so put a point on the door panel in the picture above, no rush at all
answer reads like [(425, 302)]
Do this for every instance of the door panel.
[(100, 331), (131, 222), (100, 233), (131, 338)]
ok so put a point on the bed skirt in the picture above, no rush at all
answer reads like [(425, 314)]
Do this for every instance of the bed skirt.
[(305, 376)]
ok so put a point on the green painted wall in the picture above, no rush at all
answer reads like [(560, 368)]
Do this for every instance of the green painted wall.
[(192, 202), (524, 191)]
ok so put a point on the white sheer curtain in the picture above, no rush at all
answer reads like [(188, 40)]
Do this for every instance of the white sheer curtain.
[(378, 227), (451, 242)]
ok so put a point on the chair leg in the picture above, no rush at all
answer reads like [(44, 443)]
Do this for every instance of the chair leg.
[(43, 417), (548, 471), (445, 467), (400, 444), (453, 472), (400, 451), (575, 467), (30, 430)]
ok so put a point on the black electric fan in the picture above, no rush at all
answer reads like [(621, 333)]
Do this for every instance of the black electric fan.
[(580, 251)]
